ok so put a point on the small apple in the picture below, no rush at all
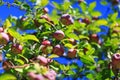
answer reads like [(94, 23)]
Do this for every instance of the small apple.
[(80, 1), (47, 18), (66, 19), (7, 65), (4, 38), (45, 10), (95, 18), (115, 2), (31, 75), (72, 41), (59, 35), (10, 37), (1, 57), (50, 75), (94, 38), (59, 50), (1, 29), (16, 48), (46, 43), (43, 60), (72, 53), (86, 20), (39, 77)]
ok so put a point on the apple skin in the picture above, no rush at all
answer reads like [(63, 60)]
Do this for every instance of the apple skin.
[(31, 75), (16, 48), (95, 18), (58, 50), (86, 20), (1, 29), (115, 2), (47, 18), (72, 53), (72, 41), (94, 37), (10, 37), (50, 75), (59, 35), (46, 43), (44, 61), (4, 38), (39, 77), (80, 1), (66, 19)]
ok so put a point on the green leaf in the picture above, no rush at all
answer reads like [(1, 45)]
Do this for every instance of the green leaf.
[(53, 56), (42, 2), (114, 16), (19, 61), (15, 34), (66, 5), (101, 22), (83, 37), (95, 13), (68, 45), (83, 7), (7, 24), (72, 35), (91, 6), (30, 37), (103, 2), (7, 76), (56, 5)]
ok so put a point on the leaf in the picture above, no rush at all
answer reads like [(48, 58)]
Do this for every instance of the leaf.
[(42, 2), (72, 35), (68, 45), (14, 34), (56, 5), (91, 6), (101, 22), (53, 56), (30, 37), (114, 16), (95, 13), (19, 61), (7, 76), (83, 7), (7, 24), (66, 5), (83, 37)]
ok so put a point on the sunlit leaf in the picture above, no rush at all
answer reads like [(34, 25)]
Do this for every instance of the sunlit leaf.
[(30, 37), (7, 24), (7, 76), (91, 6)]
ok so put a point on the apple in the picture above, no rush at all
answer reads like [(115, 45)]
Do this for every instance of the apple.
[(50, 75), (59, 35), (31, 75), (7, 65), (16, 48), (39, 77), (72, 53), (72, 41), (1, 57), (1, 29), (47, 18), (94, 37), (115, 2), (86, 20), (4, 38), (46, 43), (45, 10), (95, 18), (80, 1), (59, 50), (10, 37), (43, 60), (66, 19)]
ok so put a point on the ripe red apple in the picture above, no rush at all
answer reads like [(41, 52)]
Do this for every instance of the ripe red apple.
[(43, 60), (45, 10), (1, 29), (46, 43), (94, 37), (115, 2), (59, 50), (16, 48), (59, 35), (72, 53), (115, 62), (86, 20), (4, 38), (66, 19), (50, 75)]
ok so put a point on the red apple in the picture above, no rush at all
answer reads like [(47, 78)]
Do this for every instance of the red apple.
[(46, 43), (59, 35), (94, 37), (86, 20), (72, 41), (59, 50), (66, 19), (95, 18), (115, 2), (1, 57), (16, 48), (44, 61), (47, 18), (4, 38), (79, 1), (72, 53), (39, 77), (10, 37)]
